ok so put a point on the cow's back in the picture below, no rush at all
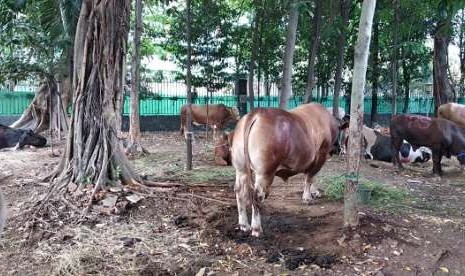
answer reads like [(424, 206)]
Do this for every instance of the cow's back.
[(321, 121), (454, 112), (281, 139)]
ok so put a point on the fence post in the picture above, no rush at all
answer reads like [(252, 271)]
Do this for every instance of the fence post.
[(240, 90)]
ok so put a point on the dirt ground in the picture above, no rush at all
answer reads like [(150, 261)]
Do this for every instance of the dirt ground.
[(191, 229)]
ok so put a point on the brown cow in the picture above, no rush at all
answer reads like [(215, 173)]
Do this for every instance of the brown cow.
[(215, 115), (274, 142), (222, 149), (454, 112), (442, 136)]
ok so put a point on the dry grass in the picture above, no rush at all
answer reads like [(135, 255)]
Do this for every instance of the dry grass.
[(119, 249)]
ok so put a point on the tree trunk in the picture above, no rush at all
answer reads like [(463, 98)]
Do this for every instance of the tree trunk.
[(188, 85), (441, 84), (356, 116), (286, 81), (395, 32), (375, 72), (406, 78), (340, 55), (462, 51), (315, 41), (47, 109), (253, 53), (135, 147), (93, 152)]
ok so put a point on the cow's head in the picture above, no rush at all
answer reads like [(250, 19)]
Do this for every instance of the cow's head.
[(234, 113), (461, 158), (28, 137), (222, 149)]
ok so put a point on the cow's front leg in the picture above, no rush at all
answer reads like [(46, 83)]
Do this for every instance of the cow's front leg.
[(243, 198), (395, 147), (310, 191), (257, 229), (437, 169)]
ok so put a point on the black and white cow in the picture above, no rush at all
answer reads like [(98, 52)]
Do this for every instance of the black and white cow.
[(381, 150)]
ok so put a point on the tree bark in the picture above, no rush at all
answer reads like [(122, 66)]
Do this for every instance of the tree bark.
[(375, 72), (462, 51), (340, 55), (47, 108), (188, 85), (406, 78), (395, 34), (315, 41), (286, 81), (253, 53), (441, 85), (93, 152), (356, 117), (135, 147)]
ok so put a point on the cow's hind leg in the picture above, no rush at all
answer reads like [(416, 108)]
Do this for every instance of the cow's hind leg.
[(243, 199), (262, 186)]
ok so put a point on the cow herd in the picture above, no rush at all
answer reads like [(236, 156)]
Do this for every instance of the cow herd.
[(269, 142)]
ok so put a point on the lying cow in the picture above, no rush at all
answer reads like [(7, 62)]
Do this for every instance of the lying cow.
[(222, 149), (442, 136), (274, 142), (382, 151), (11, 137), (215, 115), (454, 112)]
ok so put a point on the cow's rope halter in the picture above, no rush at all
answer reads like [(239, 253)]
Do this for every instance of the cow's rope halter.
[(461, 154)]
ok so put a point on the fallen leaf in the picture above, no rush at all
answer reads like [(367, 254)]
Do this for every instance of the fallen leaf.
[(444, 269), (134, 198), (201, 272)]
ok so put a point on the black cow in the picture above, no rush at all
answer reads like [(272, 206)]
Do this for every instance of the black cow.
[(10, 137), (382, 151)]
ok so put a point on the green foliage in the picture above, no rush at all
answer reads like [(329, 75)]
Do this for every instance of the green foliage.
[(378, 194), (34, 38)]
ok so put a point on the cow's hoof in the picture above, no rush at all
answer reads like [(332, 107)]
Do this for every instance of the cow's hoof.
[(245, 228), (257, 232), (308, 201)]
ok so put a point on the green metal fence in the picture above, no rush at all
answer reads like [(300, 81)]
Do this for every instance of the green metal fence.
[(14, 103)]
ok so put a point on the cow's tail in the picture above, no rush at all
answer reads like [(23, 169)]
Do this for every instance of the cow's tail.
[(249, 186)]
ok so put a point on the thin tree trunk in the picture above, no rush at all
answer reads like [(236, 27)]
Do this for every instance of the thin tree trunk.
[(188, 85), (134, 118), (356, 117), (395, 32), (253, 52), (340, 55), (441, 84), (462, 51), (375, 72), (315, 41), (286, 81), (93, 152), (406, 78)]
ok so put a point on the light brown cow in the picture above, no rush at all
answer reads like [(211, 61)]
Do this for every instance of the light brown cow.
[(274, 142), (453, 112), (222, 149), (215, 115)]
